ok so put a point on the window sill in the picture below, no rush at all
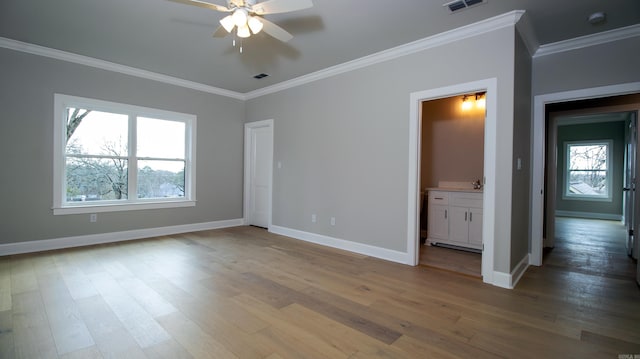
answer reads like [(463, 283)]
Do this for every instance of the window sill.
[(587, 198), (101, 208)]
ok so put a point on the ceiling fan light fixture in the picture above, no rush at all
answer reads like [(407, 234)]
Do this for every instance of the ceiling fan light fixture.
[(240, 17), (243, 31), (255, 24), (228, 23)]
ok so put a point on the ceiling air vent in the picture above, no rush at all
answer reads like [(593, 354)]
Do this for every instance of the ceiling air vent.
[(462, 4), (260, 76)]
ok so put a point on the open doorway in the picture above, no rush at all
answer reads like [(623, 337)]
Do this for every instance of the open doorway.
[(590, 207), (451, 172), (489, 87), (539, 151)]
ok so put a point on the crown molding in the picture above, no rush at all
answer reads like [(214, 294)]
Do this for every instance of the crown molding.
[(528, 34), (475, 29), (497, 22), (588, 40), (111, 66)]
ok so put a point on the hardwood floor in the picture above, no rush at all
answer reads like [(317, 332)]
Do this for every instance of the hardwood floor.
[(591, 246), (458, 261), (245, 293)]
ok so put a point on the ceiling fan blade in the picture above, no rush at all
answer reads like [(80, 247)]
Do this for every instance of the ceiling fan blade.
[(278, 6), (204, 4), (220, 32), (275, 31)]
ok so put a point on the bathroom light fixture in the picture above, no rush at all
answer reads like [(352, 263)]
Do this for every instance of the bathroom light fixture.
[(481, 100), (466, 103)]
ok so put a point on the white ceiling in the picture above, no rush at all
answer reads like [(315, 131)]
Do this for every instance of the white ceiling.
[(175, 39)]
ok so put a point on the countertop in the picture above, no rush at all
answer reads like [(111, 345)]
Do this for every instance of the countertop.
[(453, 189)]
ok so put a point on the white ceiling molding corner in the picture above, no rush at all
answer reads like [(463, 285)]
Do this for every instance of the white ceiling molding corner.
[(111, 66), (528, 33), (589, 40), (475, 29)]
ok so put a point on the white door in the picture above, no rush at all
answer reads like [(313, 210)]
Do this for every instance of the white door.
[(629, 183), (258, 172)]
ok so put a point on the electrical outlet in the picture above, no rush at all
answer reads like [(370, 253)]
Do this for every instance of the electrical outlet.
[(93, 217), (313, 218), (333, 221)]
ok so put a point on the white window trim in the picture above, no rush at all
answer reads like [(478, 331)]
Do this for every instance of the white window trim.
[(60, 207), (566, 195)]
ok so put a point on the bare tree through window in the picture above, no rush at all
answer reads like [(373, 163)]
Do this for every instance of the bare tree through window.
[(588, 169)]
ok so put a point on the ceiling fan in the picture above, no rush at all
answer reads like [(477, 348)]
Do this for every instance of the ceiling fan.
[(247, 16)]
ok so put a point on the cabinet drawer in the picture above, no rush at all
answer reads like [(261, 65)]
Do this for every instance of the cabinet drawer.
[(466, 199), (438, 197)]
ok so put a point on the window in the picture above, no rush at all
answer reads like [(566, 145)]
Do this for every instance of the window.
[(588, 170), (113, 157)]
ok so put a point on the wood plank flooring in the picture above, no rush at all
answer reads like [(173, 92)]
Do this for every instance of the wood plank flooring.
[(458, 261), (245, 293)]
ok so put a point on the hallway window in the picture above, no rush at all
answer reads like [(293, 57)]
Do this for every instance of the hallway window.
[(588, 170)]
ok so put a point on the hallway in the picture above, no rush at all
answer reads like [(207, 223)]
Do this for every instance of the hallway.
[(588, 246), (588, 279)]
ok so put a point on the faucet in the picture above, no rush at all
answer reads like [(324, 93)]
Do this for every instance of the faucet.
[(477, 184)]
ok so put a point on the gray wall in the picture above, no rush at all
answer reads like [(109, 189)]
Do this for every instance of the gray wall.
[(594, 131), (26, 138), (520, 207), (343, 142), (601, 65), (452, 142)]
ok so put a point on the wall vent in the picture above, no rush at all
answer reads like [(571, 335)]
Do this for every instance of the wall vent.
[(462, 4)]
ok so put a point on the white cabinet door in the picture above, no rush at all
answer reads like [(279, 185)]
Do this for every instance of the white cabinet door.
[(459, 231), (438, 221), (475, 226)]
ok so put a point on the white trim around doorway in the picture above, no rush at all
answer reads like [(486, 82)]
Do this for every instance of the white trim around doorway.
[(488, 228), (538, 151)]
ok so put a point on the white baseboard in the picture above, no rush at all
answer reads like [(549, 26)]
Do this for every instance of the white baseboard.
[(499, 279), (509, 280), (519, 270), (590, 215), (373, 251), (87, 240), (502, 280)]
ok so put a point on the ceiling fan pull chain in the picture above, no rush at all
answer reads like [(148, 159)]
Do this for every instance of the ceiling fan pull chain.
[(240, 45)]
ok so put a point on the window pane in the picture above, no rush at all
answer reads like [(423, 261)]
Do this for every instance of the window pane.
[(588, 157), (590, 183), (160, 138), (96, 179), (96, 133), (161, 179)]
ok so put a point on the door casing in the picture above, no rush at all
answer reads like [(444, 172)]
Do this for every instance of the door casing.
[(539, 152)]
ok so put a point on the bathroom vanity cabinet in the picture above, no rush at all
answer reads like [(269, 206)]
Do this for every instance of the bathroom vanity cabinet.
[(454, 217)]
